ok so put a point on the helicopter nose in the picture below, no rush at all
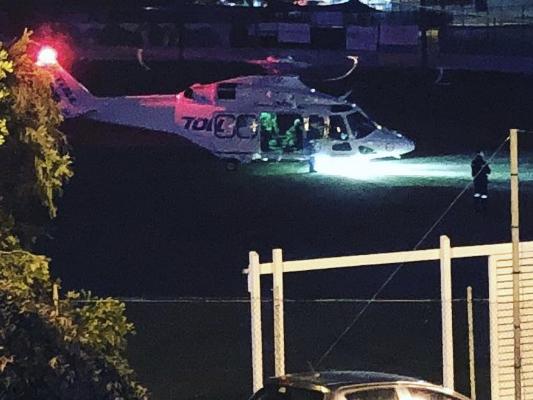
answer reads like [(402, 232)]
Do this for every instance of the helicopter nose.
[(403, 144), (409, 145)]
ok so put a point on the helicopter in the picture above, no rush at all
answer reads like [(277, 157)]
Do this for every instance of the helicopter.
[(267, 117)]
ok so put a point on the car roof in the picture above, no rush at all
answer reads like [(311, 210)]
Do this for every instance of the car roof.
[(336, 379)]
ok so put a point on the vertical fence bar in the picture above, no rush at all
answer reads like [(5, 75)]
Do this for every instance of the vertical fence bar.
[(254, 287), (515, 236), (446, 309), (493, 320), (279, 326), (471, 352)]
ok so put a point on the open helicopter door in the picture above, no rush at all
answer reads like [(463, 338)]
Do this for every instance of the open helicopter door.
[(281, 133)]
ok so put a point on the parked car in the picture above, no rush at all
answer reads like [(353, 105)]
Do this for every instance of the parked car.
[(352, 385)]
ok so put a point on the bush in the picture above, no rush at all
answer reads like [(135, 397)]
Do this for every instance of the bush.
[(49, 349)]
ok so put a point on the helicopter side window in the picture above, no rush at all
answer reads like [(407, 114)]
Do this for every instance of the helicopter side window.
[(188, 93), (338, 129), (360, 124), (224, 126), (246, 126), (226, 91)]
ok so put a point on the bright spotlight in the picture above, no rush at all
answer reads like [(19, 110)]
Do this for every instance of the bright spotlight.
[(363, 169), (353, 167), (47, 56)]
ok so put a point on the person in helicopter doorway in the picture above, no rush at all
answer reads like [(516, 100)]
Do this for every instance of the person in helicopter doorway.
[(311, 143), (292, 136), (269, 130), (480, 175)]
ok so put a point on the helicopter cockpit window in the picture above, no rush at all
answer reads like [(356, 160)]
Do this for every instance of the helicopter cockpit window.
[(360, 124), (226, 91), (337, 130), (316, 128)]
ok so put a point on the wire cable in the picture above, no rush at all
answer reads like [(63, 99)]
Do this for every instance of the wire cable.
[(244, 300), (399, 266)]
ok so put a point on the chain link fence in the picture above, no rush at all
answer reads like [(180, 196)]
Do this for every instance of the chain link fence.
[(465, 12), (200, 348)]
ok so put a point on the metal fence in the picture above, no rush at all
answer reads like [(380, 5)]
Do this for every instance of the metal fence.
[(200, 348), (278, 268), (466, 13)]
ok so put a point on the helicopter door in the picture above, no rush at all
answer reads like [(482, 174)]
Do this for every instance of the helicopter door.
[(281, 132), (268, 130), (291, 132)]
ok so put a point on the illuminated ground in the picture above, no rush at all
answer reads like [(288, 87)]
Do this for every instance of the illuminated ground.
[(176, 206), (151, 215), (419, 171)]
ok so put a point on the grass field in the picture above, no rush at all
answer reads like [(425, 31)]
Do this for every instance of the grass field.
[(150, 215)]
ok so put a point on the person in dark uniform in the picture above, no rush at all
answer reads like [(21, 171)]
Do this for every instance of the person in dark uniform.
[(480, 175), (310, 148), (311, 144)]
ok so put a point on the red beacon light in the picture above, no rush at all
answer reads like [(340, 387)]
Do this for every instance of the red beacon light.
[(47, 56)]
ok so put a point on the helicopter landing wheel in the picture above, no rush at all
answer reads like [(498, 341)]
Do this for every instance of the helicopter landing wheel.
[(232, 165)]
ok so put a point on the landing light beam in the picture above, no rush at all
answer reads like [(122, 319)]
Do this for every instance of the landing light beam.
[(357, 168)]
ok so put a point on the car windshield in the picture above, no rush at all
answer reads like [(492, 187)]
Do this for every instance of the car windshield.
[(391, 394), (360, 124), (427, 394), (287, 393), (373, 394)]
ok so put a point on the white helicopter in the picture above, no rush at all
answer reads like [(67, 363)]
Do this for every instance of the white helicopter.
[(241, 119)]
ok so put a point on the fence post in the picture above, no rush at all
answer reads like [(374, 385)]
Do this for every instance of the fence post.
[(446, 309), (254, 287), (515, 236), (279, 326), (471, 353), (493, 321)]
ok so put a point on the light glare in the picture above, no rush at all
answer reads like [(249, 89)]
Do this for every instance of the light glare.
[(362, 169), (47, 56)]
